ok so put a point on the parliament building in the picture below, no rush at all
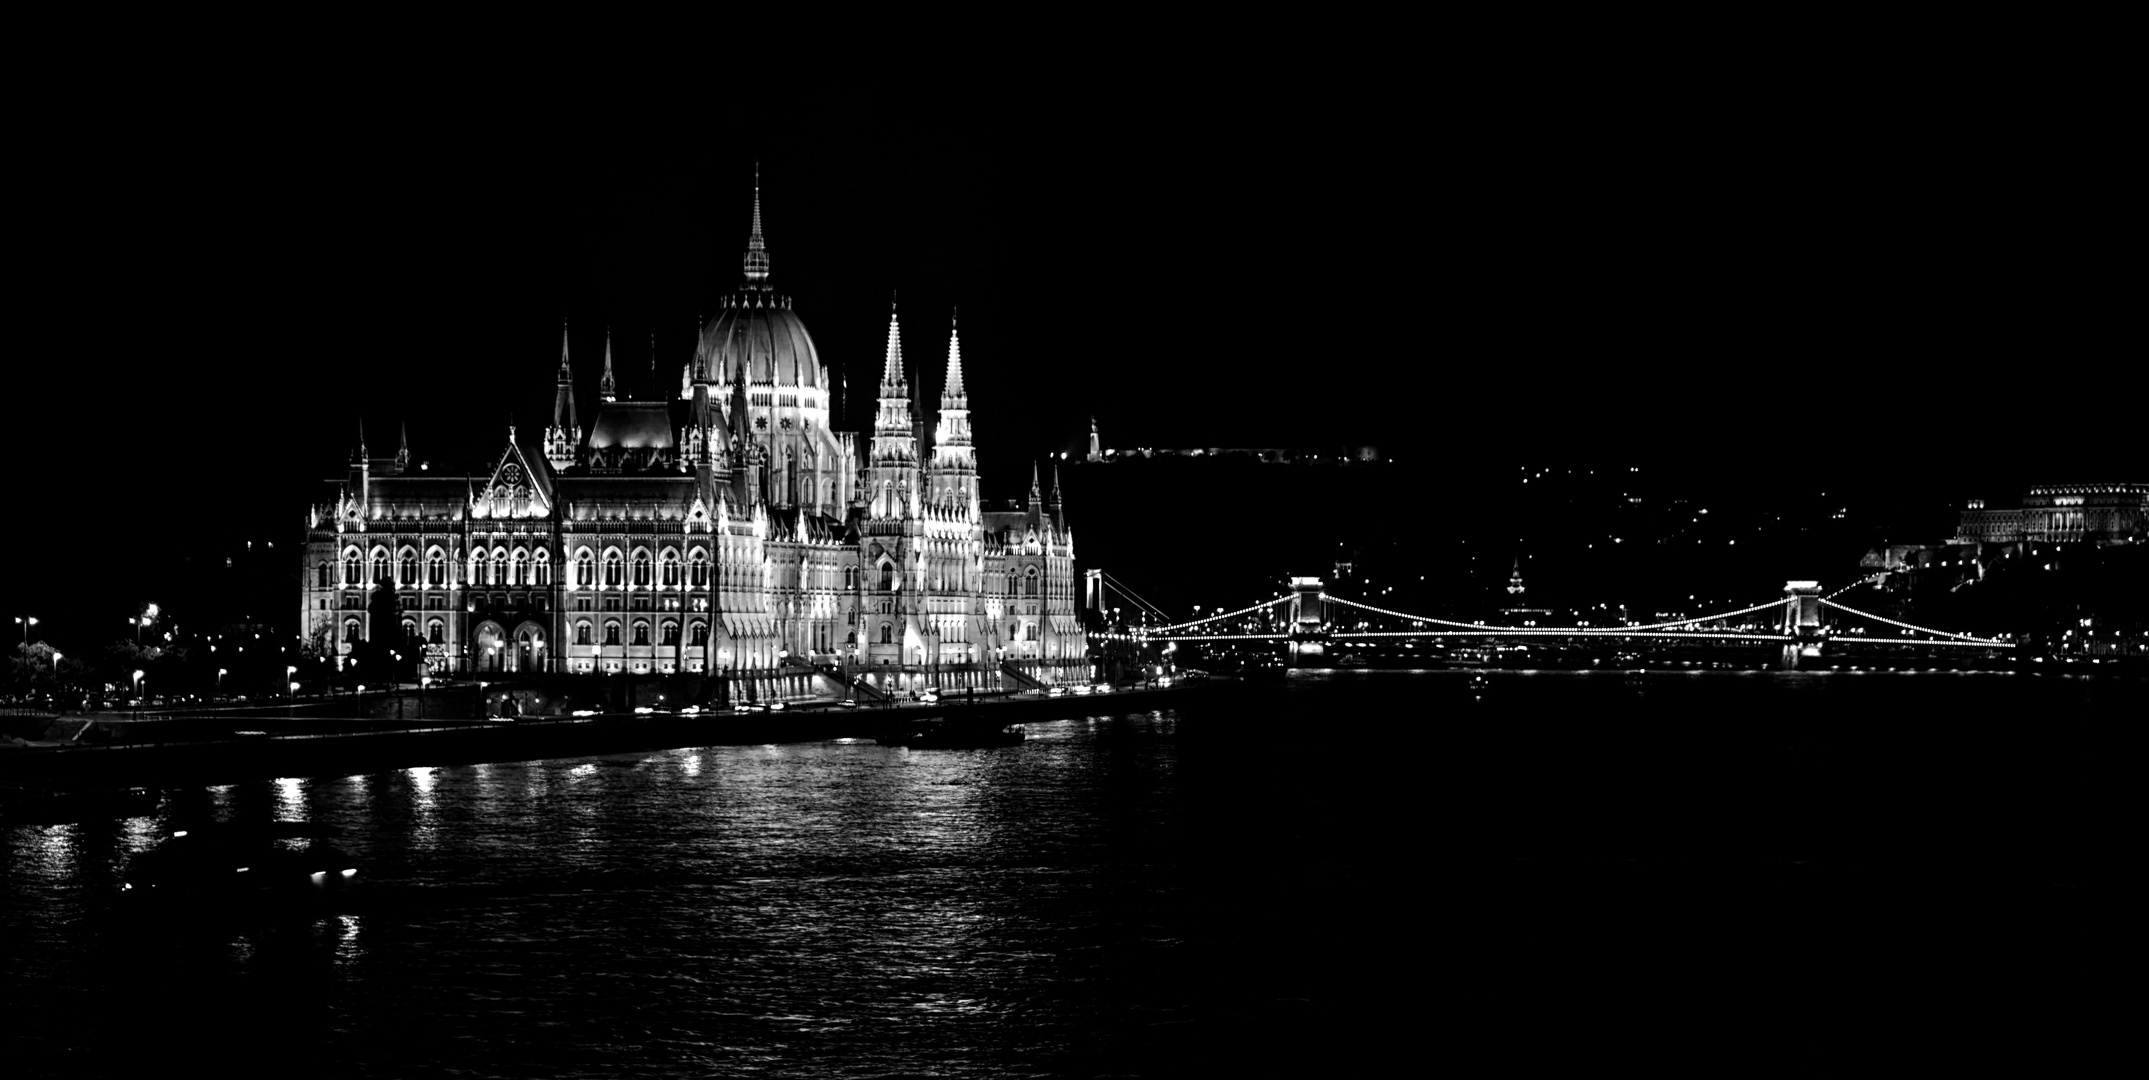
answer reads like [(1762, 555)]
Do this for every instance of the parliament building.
[(730, 530)]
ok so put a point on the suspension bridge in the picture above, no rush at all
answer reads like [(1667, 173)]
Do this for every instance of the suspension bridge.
[(1805, 623)]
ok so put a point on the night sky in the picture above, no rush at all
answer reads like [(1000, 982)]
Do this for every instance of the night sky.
[(1753, 287)]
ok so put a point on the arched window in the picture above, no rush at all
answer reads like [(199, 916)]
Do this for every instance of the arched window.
[(350, 570), (641, 632), (320, 576), (380, 568), (1029, 582), (581, 633), (436, 633), (436, 568), (612, 569), (670, 634), (410, 630), (350, 629), (641, 571), (887, 577), (585, 569), (521, 573), (699, 635), (671, 569), (407, 573), (611, 633), (541, 568), (850, 578), (887, 634), (701, 568), (496, 570)]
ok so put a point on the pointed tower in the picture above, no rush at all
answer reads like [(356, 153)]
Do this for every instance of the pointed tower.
[(564, 437), (954, 474), (893, 460), (1096, 445), (402, 449), (608, 387), (1053, 508), (757, 252), (745, 455), (363, 465), (1514, 579)]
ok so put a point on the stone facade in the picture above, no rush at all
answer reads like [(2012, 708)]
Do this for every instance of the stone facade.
[(730, 530), (2061, 513)]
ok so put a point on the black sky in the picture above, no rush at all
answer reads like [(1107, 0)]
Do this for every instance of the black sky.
[(1820, 277)]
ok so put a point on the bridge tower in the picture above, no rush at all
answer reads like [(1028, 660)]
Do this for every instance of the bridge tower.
[(1802, 622), (1308, 624)]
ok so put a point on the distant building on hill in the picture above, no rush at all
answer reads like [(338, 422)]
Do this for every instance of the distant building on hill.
[(2060, 514)]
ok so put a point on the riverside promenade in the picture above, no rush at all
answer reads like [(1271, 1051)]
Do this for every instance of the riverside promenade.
[(353, 746)]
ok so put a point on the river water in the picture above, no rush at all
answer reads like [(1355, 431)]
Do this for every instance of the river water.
[(1365, 873)]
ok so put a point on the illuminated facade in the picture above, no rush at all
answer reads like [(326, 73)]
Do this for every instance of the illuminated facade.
[(730, 529), (2061, 513)]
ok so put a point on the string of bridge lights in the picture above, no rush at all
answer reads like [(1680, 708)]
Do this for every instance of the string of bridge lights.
[(1521, 629), (1226, 615), (1919, 629), (1867, 580)]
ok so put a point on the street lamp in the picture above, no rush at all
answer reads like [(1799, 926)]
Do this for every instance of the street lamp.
[(291, 676), (220, 673), (138, 693), (26, 622)]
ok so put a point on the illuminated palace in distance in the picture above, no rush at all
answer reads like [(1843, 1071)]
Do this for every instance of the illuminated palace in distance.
[(729, 530)]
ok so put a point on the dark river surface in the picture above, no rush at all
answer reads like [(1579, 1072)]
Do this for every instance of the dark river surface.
[(1364, 874)]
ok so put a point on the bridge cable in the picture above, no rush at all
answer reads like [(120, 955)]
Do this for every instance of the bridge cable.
[(1476, 626), (1866, 580), (1213, 618), (1131, 595), (1919, 629)]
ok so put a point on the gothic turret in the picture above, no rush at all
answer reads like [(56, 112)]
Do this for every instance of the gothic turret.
[(894, 458), (745, 453), (608, 387), (954, 470), (564, 437)]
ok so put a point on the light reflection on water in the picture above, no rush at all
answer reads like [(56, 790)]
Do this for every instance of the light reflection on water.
[(848, 908)]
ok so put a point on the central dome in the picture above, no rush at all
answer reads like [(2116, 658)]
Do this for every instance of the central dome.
[(758, 326)]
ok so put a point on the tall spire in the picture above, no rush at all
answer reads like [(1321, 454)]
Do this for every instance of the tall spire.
[(1034, 493), (952, 388), (608, 387), (564, 437), (757, 252), (891, 373), (402, 450)]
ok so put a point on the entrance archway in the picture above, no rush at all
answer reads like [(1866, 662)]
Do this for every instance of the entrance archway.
[(529, 654), (490, 644)]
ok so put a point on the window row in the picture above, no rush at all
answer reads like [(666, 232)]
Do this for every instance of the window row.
[(668, 633)]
